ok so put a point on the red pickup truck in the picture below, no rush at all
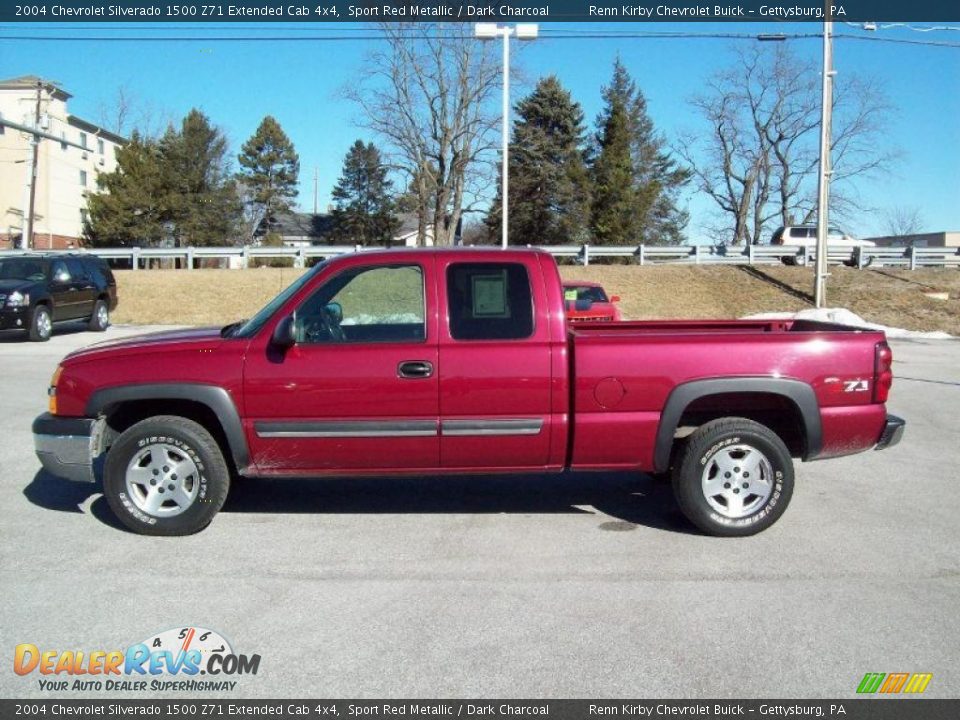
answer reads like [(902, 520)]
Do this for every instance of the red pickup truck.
[(460, 361)]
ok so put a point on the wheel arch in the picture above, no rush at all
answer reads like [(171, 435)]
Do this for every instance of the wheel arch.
[(209, 405), (799, 396)]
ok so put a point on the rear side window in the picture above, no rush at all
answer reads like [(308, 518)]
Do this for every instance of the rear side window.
[(76, 268), (489, 301), (97, 270)]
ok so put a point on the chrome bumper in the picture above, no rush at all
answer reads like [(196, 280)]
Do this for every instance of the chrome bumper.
[(65, 446)]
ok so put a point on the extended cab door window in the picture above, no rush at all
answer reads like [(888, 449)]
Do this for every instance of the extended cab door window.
[(366, 305)]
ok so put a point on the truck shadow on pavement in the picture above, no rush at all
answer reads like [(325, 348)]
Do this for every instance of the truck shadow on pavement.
[(619, 501)]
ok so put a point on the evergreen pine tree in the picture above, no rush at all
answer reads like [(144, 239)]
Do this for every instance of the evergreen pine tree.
[(549, 182), (616, 214), (364, 208), (643, 210), (270, 169), (131, 207), (202, 199)]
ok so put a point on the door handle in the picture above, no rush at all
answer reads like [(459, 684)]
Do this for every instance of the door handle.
[(414, 369)]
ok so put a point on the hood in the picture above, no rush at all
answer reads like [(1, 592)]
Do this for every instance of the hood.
[(13, 285), (150, 342)]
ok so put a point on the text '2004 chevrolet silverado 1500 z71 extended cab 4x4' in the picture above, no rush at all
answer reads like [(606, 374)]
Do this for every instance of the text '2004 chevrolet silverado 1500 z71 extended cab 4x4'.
[(460, 361)]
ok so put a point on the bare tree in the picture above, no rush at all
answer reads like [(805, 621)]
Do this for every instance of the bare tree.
[(760, 160), (126, 112), (902, 220), (427, 95)]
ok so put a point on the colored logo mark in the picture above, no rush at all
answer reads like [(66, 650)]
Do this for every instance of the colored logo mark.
[(894, 683)]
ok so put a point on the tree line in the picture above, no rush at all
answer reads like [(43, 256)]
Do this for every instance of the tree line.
[(429, 98), (179, 189)]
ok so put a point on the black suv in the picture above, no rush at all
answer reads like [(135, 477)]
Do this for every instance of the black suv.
[(37, 290)]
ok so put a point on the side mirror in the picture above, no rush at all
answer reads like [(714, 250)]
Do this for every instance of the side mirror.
[(284, 334), (615, 298), (334, 312)]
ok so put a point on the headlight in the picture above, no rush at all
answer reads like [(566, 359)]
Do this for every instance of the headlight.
[(18, 299)]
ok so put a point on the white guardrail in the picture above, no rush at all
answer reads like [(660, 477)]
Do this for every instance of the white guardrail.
[(905, 257)]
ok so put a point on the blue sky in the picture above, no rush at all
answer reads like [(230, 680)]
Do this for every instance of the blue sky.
[(299, 83)]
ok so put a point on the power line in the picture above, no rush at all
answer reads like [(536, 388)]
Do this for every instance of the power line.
[(588, 35)]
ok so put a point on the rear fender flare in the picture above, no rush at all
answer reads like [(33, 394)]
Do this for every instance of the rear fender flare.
[(798, 392)]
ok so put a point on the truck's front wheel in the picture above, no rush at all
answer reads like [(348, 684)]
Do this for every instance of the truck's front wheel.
[(734, 478), (166, 476)]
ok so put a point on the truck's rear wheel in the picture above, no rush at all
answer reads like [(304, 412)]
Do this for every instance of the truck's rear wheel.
[(166, 476), (734, 478)]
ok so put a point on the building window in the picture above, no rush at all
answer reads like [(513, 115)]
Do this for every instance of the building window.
[(83, 178), (2, 126), (100, 145), (83, 140), (83, 216), (63, 140)]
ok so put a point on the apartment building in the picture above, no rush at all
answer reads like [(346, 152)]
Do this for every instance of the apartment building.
[(71, 153)]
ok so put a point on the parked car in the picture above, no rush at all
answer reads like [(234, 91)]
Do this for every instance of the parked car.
[(38, 290), (805, 236), (588, 302), (460, 361)]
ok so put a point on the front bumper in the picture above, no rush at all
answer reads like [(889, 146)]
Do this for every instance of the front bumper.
[(892, 432), (14, 318), (66, 446)]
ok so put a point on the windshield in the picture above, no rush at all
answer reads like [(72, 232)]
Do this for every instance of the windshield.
[(584, 292), (23, 269), (250, 327)]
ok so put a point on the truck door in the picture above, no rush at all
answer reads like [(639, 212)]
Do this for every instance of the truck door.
[(495, 365), (359, 389)]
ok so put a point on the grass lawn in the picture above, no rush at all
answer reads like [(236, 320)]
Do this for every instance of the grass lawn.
[(891, 297)]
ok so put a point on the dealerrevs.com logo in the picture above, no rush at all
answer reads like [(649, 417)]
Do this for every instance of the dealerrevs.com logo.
[(169, 661)]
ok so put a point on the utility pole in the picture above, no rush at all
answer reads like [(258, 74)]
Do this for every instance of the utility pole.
[(823, 185), (35, 154), (316, 180)]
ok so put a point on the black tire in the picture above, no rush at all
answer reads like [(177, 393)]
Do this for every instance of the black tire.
[(699, 467), (181, 442), (41, 325), (100, 319)]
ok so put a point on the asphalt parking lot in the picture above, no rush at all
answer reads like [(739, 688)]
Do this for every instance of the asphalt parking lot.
[(578, 586)]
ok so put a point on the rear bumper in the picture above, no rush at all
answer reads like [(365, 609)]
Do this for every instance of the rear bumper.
[(65, 446), (892, 432)]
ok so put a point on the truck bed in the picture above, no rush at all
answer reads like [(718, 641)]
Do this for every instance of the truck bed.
[(624, 374)]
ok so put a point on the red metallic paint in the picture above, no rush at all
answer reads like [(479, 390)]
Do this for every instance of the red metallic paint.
[(598, 389)]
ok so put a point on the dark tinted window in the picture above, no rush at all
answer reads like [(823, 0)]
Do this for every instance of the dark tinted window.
[(76, 268), (97, 270), (59, 271), (489, 301), (23, 269)]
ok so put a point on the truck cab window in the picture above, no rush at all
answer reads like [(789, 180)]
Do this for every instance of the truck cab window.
[(366, 305), (489, 301)]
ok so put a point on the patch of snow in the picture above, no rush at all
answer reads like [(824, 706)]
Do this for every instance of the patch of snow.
[(394, 319), (842, 316)]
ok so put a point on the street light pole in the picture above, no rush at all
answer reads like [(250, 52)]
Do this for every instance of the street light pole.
[(488, 31)]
